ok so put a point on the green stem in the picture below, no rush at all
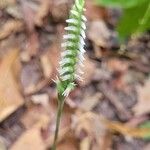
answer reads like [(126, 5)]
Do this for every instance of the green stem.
[(59, 113)]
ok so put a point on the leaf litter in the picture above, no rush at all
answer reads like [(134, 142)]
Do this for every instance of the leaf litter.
[(112, 101)]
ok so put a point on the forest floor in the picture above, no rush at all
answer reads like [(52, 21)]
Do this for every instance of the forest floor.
[(109, 110)]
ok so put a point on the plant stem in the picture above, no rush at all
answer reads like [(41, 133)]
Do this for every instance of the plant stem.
[(59, 113)]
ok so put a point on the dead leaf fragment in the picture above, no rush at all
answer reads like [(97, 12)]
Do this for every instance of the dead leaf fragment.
[(95, 12), (11, 26), (42, 99), (5, 3), (127, 130), (85, 144), (99, 33), (46, 65), (42, 12), (143, 104), (10, 97), (30, 140), (90, 102)]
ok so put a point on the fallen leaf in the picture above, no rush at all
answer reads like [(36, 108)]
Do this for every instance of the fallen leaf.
[(5, 3), (85, 144), (68, 143), (98, 33), (2, 145), (115, 64), (143, 104), (60, 6), (42, 12), (42, 99), (95, 12), (11, 26), (127, 130), (28, 14), (10, 97), (92, 125), (32, 138), (14, 11), (32, 45), (54, 58), (89, 102), (46, 65)]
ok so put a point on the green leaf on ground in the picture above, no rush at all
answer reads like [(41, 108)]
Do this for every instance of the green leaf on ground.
[(135, 19), (120, 3), (146, 125)]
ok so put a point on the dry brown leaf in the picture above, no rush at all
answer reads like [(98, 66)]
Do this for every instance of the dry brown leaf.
[(42, 99), (143, 104), (42, 12), (5, 3), (46, 65), (11, 26), (97, 127), (85, 144), (54, 57), (60, 6), (28, 14), (68, 143), (89, 102), (33, 44), (126, 130), (99, 33), (115, 64), (32, 138), (10, 97), (95, 12), (29, 140), (92, 125)]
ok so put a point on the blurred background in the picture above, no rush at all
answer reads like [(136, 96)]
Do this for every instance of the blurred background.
[(109, 110)]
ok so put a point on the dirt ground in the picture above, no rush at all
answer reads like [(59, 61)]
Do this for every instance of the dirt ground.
[(109, 110)]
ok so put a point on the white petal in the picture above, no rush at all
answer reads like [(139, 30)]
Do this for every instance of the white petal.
[(65, 61), (82, 41), (66, 77), (66, 52), (83, 25), (84, 18), (75, 13), (75, 21), (67, 44), (83, 34), (71, 28), (69, 36), (81, 57), (78, 5), (65, 70), (81, 48)]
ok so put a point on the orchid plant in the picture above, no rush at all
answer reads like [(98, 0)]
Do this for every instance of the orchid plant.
[(72, 58)]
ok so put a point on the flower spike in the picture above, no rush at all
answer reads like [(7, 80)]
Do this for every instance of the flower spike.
[(72, 56)]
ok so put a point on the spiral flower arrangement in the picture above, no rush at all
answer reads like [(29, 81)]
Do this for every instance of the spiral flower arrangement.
[(72, 58)]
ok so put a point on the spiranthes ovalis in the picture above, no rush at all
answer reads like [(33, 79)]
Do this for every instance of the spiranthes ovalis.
[(72, 57)]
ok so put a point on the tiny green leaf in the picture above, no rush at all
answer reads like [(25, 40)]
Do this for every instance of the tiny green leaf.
[(120, 3), (135, 19), (146, 125)]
